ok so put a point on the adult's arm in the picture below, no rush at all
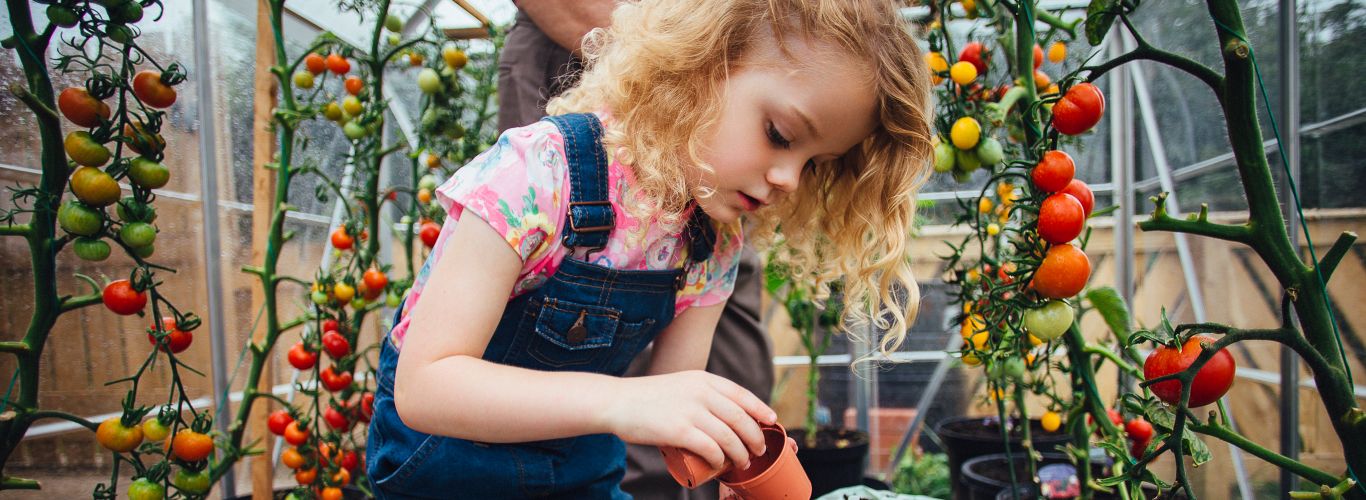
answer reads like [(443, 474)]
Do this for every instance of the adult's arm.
[(567, 21)]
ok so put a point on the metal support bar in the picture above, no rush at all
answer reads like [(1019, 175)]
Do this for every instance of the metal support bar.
[(1122, 160), (1159, 153), (208, 188), (941, 370), (1290, 148)]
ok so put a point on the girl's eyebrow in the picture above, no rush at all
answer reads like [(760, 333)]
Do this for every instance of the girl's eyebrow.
[(810, 125)]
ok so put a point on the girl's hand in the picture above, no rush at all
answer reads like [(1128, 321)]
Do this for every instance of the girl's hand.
[(695, 410)]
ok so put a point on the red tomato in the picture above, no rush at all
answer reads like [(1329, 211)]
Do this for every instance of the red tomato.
[(1063, 272), (1082, 193), (1079, 109), (149, 89), (1139, 430), (338, 64), (315, 63), (336, 345), (330, 325), (375, 279), (335, 419), (333, 381), (975, 53), (430, 231), (177, 340), (1114, 415), (191, 446), (81, 108), (1053, 172), (296, 434), (1061, 218), (349, 460), (1038, 57), (367, 406), (301, 358), (306, 476), (120, 297), (278, 421), (1211, 382), (353, 85), (341, 240)]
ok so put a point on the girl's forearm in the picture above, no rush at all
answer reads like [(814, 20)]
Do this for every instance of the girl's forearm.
[(478, 400)]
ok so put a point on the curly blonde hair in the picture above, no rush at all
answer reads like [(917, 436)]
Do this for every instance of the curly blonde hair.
[(661, 69)]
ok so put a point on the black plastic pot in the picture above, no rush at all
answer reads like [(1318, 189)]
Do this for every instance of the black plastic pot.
[(965, 438), (1032, 493), (831, 467)]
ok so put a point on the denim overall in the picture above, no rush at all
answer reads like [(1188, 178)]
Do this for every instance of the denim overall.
[(584, 318)]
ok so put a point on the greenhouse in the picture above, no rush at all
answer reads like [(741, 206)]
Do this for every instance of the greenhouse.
[(760, 249)]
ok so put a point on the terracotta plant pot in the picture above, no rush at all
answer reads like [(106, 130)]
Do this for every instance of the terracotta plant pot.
[(775, 474)]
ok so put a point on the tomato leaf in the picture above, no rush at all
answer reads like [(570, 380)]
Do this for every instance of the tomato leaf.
[(1111, 306), (1100, 15), (1162, 417)]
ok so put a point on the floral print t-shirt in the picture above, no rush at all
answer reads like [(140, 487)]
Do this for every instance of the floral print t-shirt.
[(520, 187)]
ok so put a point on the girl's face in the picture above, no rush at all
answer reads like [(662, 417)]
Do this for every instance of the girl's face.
[(779, 117)]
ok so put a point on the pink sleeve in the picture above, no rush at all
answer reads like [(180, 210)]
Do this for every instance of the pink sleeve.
[(721, 268), (518, 187)]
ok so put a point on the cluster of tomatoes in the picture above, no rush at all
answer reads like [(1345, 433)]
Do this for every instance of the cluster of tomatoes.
[(967, 149), (189, 449), (349, 113), (94, 179), (310, 454)]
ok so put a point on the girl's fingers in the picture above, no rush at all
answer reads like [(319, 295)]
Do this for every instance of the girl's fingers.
[(701, 443), (755, 407), (740, 422), (726, 439)]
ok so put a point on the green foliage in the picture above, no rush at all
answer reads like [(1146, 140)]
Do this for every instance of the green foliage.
[(927, 475)]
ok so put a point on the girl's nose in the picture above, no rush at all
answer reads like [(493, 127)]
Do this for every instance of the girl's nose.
[(785, 176)]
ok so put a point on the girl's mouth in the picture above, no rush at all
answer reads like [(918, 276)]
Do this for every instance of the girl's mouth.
[(749, 203)]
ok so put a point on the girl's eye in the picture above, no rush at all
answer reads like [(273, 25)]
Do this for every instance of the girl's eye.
[(777, 138)]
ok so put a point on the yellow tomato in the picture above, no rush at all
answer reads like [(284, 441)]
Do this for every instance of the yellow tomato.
[(1057, 52), (963, 72), (1051, 421), (973, 324), (938, 64), (343, 292), (984, 206), (993, 229), (965, 133)]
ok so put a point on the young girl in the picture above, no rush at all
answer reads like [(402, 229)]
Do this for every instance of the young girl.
[(576, 241)]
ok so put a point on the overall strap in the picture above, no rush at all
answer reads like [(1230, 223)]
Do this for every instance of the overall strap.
[(590, 218), (701, 235)]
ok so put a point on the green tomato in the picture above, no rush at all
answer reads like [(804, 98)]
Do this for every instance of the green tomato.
[(120, 33), (128, 12), (144, 252), (393, 300), (990, 152), (394, 39), (429, 81), (943, 157), (191, 482), (319, 297), (358, 303), (142, 489), (967, 160), (138, 234), (62, 16), (354, 131), (303, 79), (427, 182), (91, 249), (1014, 368), (393, 23), (79, 219), (147, 173), (1050, 321), (129, 210)]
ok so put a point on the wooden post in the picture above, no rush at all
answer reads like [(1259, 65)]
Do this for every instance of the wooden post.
[(263, 199)]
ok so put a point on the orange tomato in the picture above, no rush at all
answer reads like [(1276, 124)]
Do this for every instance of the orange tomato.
[(315, 63), (354, 85), (292, 458)]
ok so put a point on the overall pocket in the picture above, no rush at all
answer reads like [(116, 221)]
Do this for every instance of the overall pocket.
[(573, 335)]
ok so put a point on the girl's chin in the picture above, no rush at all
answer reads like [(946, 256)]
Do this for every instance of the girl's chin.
[(719, 212)]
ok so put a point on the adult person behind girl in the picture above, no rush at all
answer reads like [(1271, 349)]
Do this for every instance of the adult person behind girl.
[(617, 224), (538, 61)]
